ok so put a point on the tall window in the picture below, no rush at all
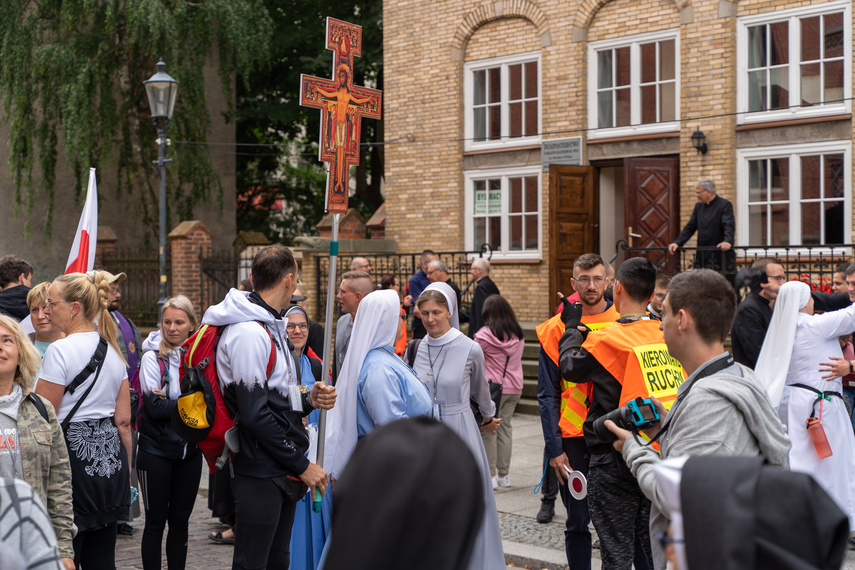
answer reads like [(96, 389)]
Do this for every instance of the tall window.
[(502, 101), (503, 209), (794, 63), (795, 195), (634, 85)]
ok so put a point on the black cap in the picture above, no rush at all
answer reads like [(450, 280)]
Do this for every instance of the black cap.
[(297, 299)]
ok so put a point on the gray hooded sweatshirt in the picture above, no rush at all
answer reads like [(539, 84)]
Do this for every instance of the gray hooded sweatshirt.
[(726, 413)]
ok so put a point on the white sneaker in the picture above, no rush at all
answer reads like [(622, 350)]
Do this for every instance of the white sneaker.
[(495, 483), (503, 481)]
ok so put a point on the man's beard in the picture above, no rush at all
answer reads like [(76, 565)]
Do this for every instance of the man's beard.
[(114, 306), (584, 301)]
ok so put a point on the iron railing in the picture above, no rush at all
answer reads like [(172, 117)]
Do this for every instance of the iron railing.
[(813, 264), (218, 272), (402, 266), (141, 290)]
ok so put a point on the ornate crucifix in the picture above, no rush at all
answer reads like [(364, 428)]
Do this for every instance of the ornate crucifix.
[(342, 106)]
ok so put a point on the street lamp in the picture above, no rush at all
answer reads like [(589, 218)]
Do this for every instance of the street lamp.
[(161, 90)]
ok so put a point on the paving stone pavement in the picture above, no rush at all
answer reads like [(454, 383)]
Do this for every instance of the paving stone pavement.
[(202, 553), (527, 543)]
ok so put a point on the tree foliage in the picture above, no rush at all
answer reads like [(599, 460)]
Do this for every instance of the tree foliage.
[(72, 71), (269, 113)]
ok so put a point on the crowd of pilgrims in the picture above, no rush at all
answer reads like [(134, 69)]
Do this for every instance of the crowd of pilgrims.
[(416, 438)]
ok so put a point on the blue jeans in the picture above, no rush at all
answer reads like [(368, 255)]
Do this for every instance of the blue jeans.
[(849, 395)]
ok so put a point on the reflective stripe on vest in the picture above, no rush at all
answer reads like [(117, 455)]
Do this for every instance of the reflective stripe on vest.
[(636, 355), (575, 398)]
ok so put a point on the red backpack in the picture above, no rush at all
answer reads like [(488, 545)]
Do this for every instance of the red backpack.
[(201, 416)]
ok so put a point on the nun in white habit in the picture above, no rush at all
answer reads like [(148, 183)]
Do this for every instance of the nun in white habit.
[(452, 367), (789, 366)]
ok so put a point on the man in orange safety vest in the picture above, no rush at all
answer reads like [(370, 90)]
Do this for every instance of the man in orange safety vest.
[(626, 360), (564, 407)]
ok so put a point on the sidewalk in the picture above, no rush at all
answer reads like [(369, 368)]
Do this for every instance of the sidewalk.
[(526, 542)]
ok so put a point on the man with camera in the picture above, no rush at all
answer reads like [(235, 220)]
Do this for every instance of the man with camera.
[(721, 408), (625, 361), (564, 407)]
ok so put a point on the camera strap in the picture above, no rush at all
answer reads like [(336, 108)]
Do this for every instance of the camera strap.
[(707, 371)]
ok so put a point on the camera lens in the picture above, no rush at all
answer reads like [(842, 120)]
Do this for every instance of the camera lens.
[(621, 419)]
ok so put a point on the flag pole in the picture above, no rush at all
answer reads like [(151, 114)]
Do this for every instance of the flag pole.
[(325, 370)]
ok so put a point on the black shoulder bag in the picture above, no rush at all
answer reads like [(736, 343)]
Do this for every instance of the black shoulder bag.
[(95, 365), (495, 395)]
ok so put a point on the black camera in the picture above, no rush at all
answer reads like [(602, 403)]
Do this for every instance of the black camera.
[(636, 415)]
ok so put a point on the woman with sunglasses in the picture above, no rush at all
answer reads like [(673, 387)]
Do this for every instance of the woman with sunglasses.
[(169, 468)]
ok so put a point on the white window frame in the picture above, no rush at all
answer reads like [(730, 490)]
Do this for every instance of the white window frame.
[(635, 127), (468, 210), (794, 152), (792, 17), (504, 141)]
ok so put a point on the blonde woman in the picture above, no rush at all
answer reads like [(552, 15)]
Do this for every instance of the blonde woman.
[(169, 468), (85, 378), (44, 335), (38, 455)]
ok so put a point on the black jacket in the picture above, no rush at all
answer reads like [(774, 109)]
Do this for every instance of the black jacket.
[(13, 302), (156, 434), (714, 223), (749, 329), (483, 289)]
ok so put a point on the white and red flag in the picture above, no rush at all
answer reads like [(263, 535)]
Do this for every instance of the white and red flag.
[(82, 256)]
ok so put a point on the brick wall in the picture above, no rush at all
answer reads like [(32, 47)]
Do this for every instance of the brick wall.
[(426, 46), (186, 241)]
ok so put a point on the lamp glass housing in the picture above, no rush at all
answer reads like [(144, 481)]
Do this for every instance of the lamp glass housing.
[(161, 90)]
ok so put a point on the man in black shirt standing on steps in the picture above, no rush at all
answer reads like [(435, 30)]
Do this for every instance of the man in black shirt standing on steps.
[(713, 219)]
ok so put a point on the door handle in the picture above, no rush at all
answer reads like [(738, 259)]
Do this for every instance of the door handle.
[(631, 235)]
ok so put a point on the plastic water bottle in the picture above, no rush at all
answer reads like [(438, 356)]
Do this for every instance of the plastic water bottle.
[(817, 436)]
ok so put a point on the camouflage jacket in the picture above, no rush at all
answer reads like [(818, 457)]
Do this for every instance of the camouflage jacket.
[(44, 459)]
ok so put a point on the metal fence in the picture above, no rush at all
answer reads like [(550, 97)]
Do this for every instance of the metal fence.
[(218, 272), (402, 266), (141, 290), (813, 264)]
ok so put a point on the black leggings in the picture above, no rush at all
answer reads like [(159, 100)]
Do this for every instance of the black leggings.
[(96, 549), (263, 520), (168, 488)]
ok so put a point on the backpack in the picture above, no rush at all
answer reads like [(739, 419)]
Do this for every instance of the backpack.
[(201, 416), (135, 385)]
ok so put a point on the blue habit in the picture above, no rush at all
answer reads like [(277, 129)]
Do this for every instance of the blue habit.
[(309, 531), (389, 390)]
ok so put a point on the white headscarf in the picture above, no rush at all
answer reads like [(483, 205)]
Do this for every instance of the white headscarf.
[(773, 364), (378, 319), (454, 320)]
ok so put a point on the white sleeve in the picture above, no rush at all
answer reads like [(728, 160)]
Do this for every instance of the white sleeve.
[(54, 367), (835, 323), (243, 354), (149, 372)]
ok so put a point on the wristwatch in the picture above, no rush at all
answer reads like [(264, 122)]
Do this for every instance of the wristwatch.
[(851, 367)]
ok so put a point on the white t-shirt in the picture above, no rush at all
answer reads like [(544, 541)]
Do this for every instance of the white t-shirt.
[(66, 358), (150, 374)]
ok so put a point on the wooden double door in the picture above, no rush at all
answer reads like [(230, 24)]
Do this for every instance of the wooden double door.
[(651, 213)]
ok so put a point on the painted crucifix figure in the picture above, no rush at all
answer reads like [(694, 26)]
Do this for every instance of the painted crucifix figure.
[(342, 106)]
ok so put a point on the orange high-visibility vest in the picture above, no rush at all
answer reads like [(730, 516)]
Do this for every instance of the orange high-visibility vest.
[(575, 398), (636, 355)]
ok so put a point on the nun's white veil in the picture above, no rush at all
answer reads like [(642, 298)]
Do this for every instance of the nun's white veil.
[(377, 321), (773, 364)]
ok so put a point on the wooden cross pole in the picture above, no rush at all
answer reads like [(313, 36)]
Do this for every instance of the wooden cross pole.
[(342, 106)]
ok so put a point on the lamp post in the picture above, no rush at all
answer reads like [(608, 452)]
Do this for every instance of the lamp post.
[(161, 90)]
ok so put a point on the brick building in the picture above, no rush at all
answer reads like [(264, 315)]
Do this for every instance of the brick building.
[(474, 90)]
